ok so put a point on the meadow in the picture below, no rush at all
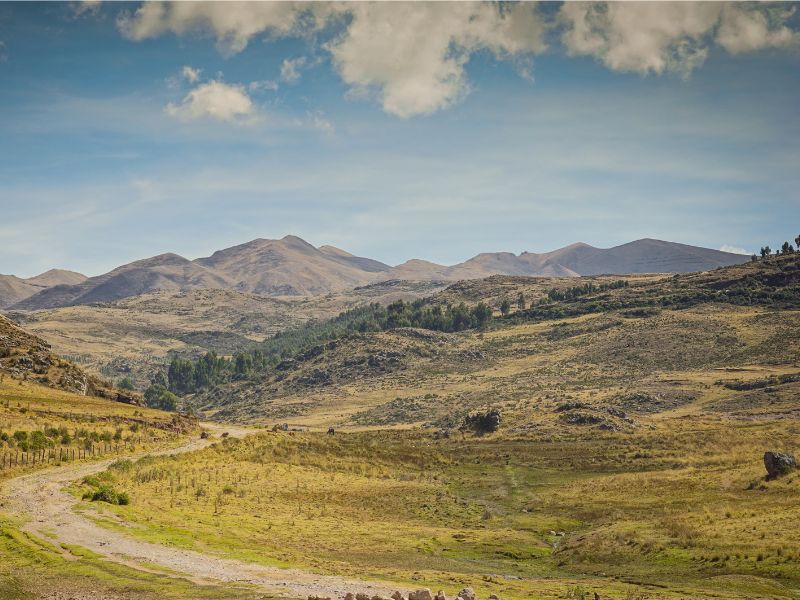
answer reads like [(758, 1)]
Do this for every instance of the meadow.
[(678, 508)]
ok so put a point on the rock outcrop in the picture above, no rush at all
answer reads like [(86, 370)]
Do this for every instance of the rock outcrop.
[(778, 463)]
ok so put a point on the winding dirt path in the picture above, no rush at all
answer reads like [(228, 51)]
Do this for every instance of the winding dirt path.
[(40, 497)]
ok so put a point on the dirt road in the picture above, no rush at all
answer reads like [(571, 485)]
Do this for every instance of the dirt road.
[(40, 497)]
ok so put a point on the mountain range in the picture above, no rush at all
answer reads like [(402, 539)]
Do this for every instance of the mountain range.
[(292, 267)]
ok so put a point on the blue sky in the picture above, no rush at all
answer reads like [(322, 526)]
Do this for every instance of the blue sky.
[(396, 131)]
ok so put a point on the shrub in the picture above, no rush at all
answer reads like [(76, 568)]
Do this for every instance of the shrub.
[(105, 493), (485, 422)]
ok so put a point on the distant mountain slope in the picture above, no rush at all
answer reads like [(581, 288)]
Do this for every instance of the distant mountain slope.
[(14, 289), (163, 272), (641, 256), (290, 267), (293, 267), (57, 277)]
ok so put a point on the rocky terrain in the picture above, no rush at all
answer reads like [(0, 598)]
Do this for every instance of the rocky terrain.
[(24, 356), (293, 267), (648, 336), (134, 337)]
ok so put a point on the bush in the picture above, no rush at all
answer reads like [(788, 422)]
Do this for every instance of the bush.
[(486, 422), (106, 493)]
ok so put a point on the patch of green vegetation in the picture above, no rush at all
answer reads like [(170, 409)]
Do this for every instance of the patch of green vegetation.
[(30, 568)]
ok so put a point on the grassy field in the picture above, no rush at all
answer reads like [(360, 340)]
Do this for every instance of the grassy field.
[(31, 567), (35, 418), (677, 508)]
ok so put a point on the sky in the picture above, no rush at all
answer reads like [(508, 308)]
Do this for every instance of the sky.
[(393, 130)]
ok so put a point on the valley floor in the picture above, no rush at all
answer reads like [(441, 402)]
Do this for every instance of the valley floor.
[(677, 509)]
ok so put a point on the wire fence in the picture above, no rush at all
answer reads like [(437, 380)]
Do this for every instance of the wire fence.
[(14, 458)]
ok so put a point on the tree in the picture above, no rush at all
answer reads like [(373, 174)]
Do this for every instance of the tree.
[(754, 258), (786, 248), (159, 379), (181, 376), (765, 251), (797, 242), (482, 313), (126, 384), (521, 301), (157, 396), (505, 307)]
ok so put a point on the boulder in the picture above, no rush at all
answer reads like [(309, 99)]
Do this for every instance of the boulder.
[(440, 595), (778, 463), (423, 594), (397, 596), (362, 597), (349, 596), (494, 597), (467, 594)]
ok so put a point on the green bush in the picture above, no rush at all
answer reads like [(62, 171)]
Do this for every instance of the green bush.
[(106, 493)]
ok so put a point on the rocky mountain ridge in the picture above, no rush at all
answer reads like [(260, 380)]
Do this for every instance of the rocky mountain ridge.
[(292, 267)]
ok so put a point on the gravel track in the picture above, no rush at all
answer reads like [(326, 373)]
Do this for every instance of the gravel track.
[(41, 499)]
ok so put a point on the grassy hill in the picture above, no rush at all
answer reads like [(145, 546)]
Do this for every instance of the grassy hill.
[(645, 337)]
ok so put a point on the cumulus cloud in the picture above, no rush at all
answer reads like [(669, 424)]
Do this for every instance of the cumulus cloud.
[(654, 37), (413, 55), (290, 68), (190, 74), (232, 23), (214, 100), (745, 28), (733, 249)]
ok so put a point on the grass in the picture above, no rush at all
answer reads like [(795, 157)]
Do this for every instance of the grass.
[(31, 567), (664, 509), (72, 421)]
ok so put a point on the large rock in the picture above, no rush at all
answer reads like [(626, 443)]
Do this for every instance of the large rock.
[(467, 594), (778, 463), (423, 594)]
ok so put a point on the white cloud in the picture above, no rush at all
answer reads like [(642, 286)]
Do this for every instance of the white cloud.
[(233, 24), (214, 100), (413, 55), (190, 74), (733, 249), (654, 37), (91, 7), (745, 28), (640, 36), (290, 68), (263, 85)]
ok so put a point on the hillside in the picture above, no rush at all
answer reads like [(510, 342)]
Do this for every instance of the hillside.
[(26, 357), (293, 267), (134, 337), (14, 290), (642, 333), (641, 256)]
